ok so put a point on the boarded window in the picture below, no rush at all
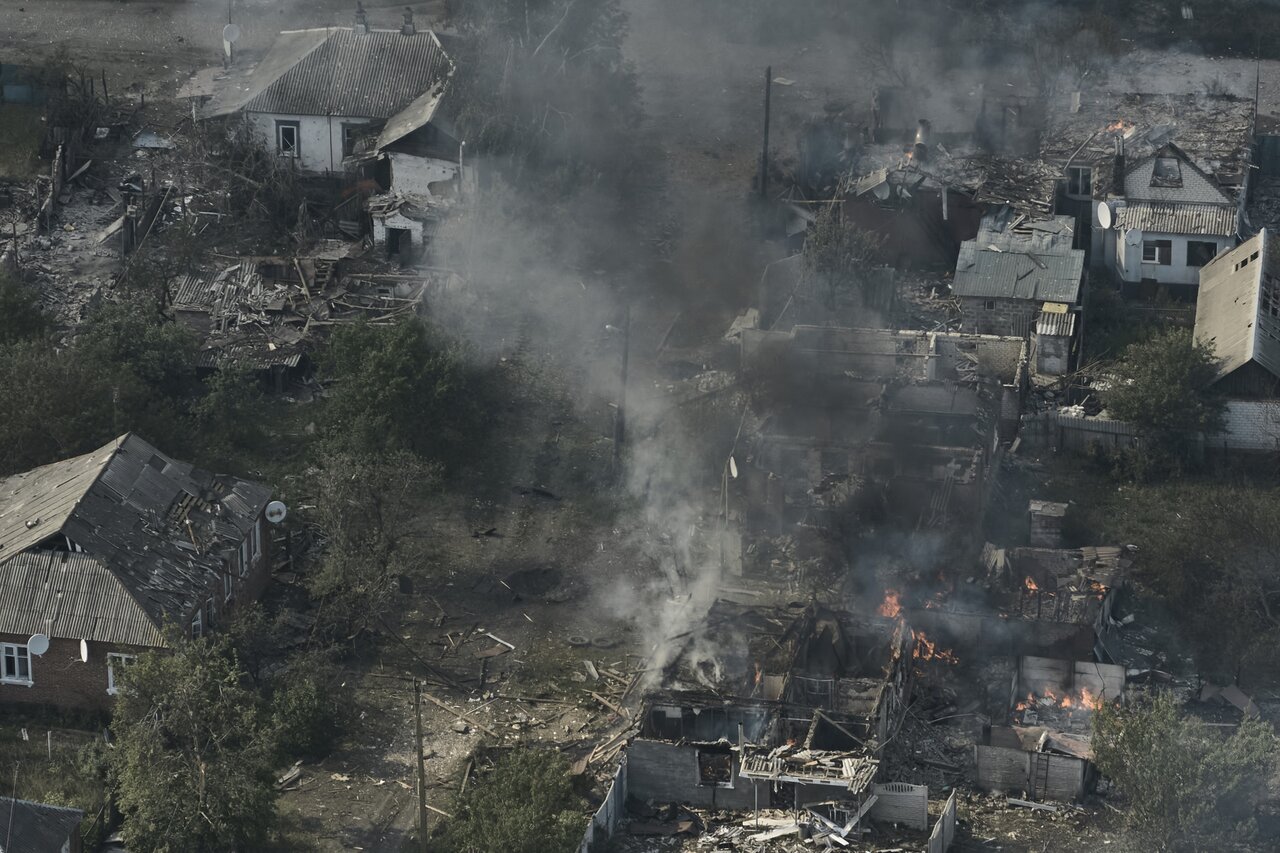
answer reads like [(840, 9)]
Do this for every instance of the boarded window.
[(1157, 252), (1200, 252)]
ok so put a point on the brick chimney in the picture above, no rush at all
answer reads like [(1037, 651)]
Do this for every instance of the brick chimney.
[(361, 26), (407, 28)]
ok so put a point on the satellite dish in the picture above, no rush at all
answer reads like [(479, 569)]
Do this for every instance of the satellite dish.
[(1133, 237), (231, 33), (84, 650), (276, 511), (38, 644), (1106, 216), (733, 468)]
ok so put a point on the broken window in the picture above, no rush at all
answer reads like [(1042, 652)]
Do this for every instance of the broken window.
[(1167, 172), (227, 586), (715, 767), (350, 136), (990, 305), (287, 138), (197, 625), (16, 664), (1270, 296), (1200, 252), (1157, 252), (1080, 181)]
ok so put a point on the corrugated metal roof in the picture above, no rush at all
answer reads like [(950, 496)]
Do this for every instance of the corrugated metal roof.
[(371, 75), (1209, 219), (1231, 314), (159, 526), (1056, 325), (1018, 275), (38, 827), (72, 596)]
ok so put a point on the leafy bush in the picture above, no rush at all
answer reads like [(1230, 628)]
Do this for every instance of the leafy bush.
[(306, 708), (526, 805)]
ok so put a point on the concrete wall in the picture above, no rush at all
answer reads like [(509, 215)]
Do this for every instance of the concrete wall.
[(903, 803), (1053, 354), (668, 773), (1129, 265), (1014, 771), (414, 175), (320, 138)]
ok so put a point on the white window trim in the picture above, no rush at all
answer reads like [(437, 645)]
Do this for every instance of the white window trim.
[(244, 556), (228, 585), (197, 623), (296, 127), (112, 659), (5, 649), (1079, 169)]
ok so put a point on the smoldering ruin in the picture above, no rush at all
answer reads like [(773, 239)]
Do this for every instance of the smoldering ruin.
[(734, 392)]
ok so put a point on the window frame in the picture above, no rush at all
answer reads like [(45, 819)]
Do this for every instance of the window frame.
[(1080, 181), (245, 556), (1162, 249), (19, 654), (350, 134), (228, 584), (123, 660), (1190, 243), (197, 623), (283, 125)]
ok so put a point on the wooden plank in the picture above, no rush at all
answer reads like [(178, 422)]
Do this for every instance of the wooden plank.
[(459, 714)]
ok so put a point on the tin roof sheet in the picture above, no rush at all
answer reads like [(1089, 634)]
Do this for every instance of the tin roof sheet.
[(1215, 220), (1018, 275)]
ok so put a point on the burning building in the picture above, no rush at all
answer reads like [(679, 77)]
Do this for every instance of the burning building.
[(766, 705), (1043, 747)]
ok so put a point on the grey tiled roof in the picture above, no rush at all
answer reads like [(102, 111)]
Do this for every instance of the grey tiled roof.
[(36, 827), (1018, 275), (160, 527), (338, 72)]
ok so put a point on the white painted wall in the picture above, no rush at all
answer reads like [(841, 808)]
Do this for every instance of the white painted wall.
[(1252, 425), (396, 220), (412, 175), (1129, 265), (320, 148)]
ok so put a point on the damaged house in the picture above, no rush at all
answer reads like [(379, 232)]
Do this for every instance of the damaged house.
[(873, 422), (101, 554), (766, 706), (1016, 271), (1158, 182), (1042, 750), (358, 102)]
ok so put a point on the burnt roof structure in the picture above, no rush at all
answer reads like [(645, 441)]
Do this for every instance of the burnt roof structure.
[(112, 544)]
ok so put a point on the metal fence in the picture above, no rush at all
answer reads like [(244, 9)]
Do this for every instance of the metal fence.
[(605, 821)]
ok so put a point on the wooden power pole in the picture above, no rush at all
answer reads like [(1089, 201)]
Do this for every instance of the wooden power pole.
[(422, 773), (764, 153)]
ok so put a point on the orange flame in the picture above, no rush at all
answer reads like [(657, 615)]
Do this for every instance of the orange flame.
[(1031, 584), (892, 604), (1119, 126), (927, 650)]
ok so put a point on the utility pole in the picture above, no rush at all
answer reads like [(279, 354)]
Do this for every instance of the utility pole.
[(764, 153), (620, 417), (422, 774)]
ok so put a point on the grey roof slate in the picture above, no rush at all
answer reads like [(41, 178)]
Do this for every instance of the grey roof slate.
[(1215, 220), (1230, 311), (983, 272), (160, 527), (36, 827), (1192, 186), (338, 72)]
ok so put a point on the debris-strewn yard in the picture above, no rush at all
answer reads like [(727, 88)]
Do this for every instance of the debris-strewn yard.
[(21, 132)]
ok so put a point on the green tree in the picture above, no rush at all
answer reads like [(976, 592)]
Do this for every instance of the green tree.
[(193, 760), (133, 338), (1188, 787), (1163, 386), (545, 90), (20, 316), (55, 405), (836, 259), (526, 805), (230, 413), (402, 387), (366, 506)]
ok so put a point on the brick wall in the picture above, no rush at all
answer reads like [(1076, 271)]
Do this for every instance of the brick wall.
[(1005, 317), (1252, 425), (59, 678)]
